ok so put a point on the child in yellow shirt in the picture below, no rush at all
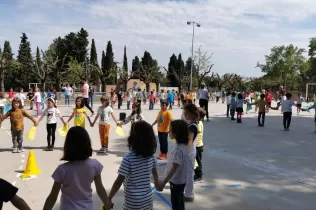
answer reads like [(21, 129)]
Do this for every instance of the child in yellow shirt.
[(79, 113), (163, 120)]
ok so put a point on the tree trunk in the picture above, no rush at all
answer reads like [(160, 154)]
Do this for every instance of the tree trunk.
[(148, 86), (43, 84), (103, 86)]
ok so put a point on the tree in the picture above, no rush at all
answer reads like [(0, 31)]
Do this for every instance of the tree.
[(171, 73), (94, 62), (7, 66), (135, 67), (76, 71), (25, 74), (312, 60), (148, 70), (125, 76), (125, 64), (203, 65), (109, 65), (43, 68), (285, 63)]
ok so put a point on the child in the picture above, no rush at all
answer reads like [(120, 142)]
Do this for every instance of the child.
[(128, 99), (198, 177), (151, 98), (104, 113), (79, 113), (3, 103), (177, 164), (163, 119), (17, 115), (38, 100), (137, 167), (299, 101), (51, 123), (55, 97), (21, 96), (287, 111), (186, 102), (228, 103), (233, 106), (256, 99), (192, 116), (170, 99), (8, 193), (248, 101), (30, 95), (239, 107), (74, 177), (135, 116), (262, 104)]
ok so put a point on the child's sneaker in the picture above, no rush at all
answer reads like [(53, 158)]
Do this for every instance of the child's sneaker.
[(51, 148), (198, 180), (15, 150), (160, 156), (163, 157), (101, 150), (21, 149), (47, 148)]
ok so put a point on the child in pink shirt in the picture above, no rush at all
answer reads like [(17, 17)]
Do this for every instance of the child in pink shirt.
[(74, 177)]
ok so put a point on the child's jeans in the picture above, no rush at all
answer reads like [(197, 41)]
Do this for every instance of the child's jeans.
[(151, 104), (17, 138), (104, 131), (287, 116), (177, 199), (189, 187), (232, 113), (163, 141), (1, 111), (128, 104), (227, 111), (38, 108), (198, 171)]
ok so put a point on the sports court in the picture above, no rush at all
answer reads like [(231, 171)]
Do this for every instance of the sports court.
[(245, 167)]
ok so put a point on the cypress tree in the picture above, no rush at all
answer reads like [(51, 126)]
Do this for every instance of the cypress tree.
[(109, 63), (125, 65), (93, 54)]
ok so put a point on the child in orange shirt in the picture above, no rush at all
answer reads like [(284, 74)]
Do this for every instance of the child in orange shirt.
[(163, 119)]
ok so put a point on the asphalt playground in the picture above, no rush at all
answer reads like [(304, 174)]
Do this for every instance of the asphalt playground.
[(245, 167)]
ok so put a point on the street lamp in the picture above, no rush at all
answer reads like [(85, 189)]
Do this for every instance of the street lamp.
[(192, 60)]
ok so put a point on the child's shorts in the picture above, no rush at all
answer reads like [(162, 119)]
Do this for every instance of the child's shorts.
[(239, 109)]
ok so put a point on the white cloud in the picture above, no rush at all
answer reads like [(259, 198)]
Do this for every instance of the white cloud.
[(238, 32)]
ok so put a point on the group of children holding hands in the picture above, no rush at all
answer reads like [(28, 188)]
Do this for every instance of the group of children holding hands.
[(263, 105), (136, 167)]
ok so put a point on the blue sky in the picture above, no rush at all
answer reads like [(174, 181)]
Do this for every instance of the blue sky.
[(238, 32)]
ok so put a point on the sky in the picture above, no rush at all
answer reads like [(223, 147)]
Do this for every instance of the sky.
[(237, 32)]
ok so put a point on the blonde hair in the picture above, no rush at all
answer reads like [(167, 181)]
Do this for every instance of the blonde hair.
[(105, 99)]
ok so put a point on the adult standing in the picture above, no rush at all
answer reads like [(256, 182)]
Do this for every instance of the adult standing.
[(85, 93), (203, 99), (120, 98), (68, 93), (30, 95), (91, 96)]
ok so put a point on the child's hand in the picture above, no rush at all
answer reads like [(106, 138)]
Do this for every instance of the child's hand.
[(91, 124), (160, 186), (118, 124), (36, 124)]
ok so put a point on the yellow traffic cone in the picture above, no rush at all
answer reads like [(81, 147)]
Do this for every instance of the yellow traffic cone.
[(31, 166)]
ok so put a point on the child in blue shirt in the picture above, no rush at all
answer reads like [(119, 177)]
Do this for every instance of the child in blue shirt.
[(233, 106)]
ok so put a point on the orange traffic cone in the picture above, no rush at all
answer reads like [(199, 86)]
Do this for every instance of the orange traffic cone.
[(31, 167)]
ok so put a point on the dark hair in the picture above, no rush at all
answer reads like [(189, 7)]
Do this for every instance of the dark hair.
[(139, 89), (288, 95), (202, 113), (83, 78), (240, 96), (179, 129), (142, 139), (53, 101), (262, 96), (138, 106), (82, 102), (164, 102), (234, 94), (16, 100), (228, 93), (187, 101), (77, 145), (1, 95), (193, 110), (151, 92)]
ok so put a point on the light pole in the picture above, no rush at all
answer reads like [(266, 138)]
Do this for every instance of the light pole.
[(192, 60)]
